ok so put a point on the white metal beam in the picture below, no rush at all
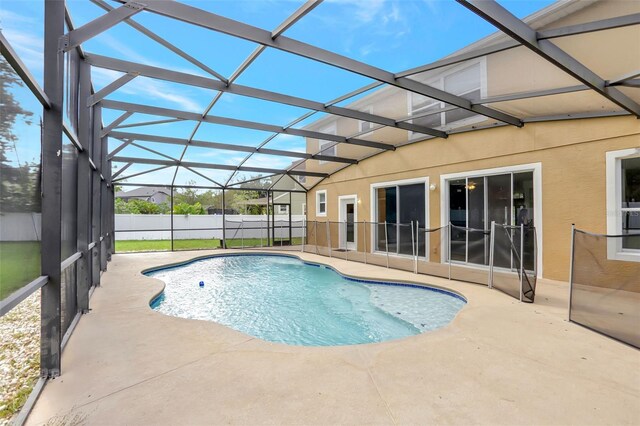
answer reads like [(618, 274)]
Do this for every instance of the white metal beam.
[(165, 112), (228, 26), (213, 166), (91, 29), (133, 68), (225, 146)]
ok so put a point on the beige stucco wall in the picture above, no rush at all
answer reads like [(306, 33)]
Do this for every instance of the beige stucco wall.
[(611, 54), (571, 152)]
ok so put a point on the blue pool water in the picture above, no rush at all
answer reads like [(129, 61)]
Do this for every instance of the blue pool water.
[(283, 299)]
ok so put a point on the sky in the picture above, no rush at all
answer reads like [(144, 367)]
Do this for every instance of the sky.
[(391, 34)]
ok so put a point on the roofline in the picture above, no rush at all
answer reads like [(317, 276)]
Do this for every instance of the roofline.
[(536, 20)]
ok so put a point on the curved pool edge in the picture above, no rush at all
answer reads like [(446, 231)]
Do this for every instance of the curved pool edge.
[(354, 278)]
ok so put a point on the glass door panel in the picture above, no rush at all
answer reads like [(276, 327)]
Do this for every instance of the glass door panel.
[(412, 208), (458, 217), (499, 210), (523, 209), (351, 240), (386, 213), (477, 241)]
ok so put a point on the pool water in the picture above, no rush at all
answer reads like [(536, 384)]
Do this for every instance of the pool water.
[(283, 299)]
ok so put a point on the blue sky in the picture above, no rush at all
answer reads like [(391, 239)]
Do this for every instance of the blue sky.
[(390, 34)]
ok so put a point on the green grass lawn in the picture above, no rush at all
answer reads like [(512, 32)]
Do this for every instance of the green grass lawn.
[(20, 260), (163, 245), (19, 265)]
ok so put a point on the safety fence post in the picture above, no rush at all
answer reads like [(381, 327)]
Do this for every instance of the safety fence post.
[(449, 247), (413, 249), (365, 240), (346, 247), (571, 265), (329, 238), (386, 242), (492, 242), (315, 234), (521, 260)]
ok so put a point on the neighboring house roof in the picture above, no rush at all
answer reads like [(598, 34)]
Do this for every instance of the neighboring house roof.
[(146, 191)]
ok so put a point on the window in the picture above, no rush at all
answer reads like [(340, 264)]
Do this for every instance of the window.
[(282, 209), (399, 204), (321, 203), (467, 82), (507, 196), (365, 126), (327, 147), (623, 203)]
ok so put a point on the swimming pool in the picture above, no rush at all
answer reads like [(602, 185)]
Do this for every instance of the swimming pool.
[(283, 299)]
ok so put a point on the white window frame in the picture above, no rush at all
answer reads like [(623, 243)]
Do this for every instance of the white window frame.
[(374, 208), (326, 199), (536, 168), (281, 207), (331, 130), (614, 205), (437, 81), (361, 123)]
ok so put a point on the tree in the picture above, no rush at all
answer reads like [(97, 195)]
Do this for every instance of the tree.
[(191, 196), (20, 184), (136, 207), (184, 208), (241, 199)]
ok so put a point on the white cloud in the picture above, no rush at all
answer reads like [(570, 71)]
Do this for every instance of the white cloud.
[(135, 56), (29, 47), (369, 12), (7, 16), (146, 89)]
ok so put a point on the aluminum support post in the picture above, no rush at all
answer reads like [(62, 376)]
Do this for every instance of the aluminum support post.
[(50, 302)]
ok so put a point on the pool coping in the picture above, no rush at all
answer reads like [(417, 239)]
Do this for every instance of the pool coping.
[(354, 278), (347, 277), (126, 363)]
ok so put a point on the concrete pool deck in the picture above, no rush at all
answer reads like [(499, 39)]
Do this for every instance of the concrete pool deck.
[(499, 362)]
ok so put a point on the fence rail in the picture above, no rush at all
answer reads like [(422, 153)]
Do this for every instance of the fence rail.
[(414, 248), (604, 286)]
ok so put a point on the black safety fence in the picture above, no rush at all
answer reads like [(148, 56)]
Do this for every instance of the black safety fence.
[(605, 284), (450, 251), (279, 233), (469, 254), (513, 261)]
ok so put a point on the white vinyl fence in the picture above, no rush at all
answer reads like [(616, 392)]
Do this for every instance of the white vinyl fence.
[(158, 227), (20, 226)]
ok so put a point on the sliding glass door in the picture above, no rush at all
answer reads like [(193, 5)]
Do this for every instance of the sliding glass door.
[(398, 206), (474, 202)]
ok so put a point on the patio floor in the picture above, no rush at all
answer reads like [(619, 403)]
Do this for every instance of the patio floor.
[(498, 362)]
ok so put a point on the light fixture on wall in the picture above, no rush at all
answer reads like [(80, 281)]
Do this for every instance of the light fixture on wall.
[(433, 187)]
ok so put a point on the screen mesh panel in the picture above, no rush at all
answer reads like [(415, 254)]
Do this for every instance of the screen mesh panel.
[(605, 291)]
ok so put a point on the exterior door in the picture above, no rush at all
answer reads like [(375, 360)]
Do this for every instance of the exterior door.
[(347, 223)]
